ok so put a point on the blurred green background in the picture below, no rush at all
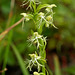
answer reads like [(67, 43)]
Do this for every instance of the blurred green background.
[(61, 42)]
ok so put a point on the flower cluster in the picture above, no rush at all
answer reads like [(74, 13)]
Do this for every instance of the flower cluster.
[(47, 17), (40, 19), (37, 39), (35, 61)]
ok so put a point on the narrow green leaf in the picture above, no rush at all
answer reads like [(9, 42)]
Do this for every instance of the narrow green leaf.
[(41, 28), (57, 65), (41, 6), (70, 70), (7, 51), (20, 60), (50, 72), (1, 51)]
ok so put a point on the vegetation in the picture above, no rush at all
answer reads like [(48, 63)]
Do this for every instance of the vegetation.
[(38, 44)]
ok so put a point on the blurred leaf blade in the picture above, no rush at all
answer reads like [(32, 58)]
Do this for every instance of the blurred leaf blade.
[(57, 66), (7, 51), (41, 6), (70, 70), (20, 60)]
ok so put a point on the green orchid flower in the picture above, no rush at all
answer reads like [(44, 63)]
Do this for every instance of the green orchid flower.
[(35, 61)]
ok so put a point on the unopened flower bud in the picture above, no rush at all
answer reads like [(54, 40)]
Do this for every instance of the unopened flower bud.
[(41, 14), (47, 24), (36, 73), (52, 5), (24, 14), (48, 18), (48, 9)]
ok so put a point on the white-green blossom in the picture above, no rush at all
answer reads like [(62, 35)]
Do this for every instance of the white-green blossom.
[(49, 7), (41, 17), (27, 17), (34, 61), (36, 38), (36, 73), (31, 2), (47, 18)]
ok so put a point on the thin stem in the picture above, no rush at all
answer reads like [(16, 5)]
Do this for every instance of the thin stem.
[(34, 7), (2, 35), (11, 12)]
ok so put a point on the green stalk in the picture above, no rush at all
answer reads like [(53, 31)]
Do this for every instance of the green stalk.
[(43, 55), (7, 51), (1, 50), (34, 7)]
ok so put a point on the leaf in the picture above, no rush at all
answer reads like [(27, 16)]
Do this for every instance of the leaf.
[(57, 65), (20, 60), (7, 51), (42, 6), (54, 26), (70, 70)]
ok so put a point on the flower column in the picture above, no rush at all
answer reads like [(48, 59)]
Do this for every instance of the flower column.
[(40, 19)]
